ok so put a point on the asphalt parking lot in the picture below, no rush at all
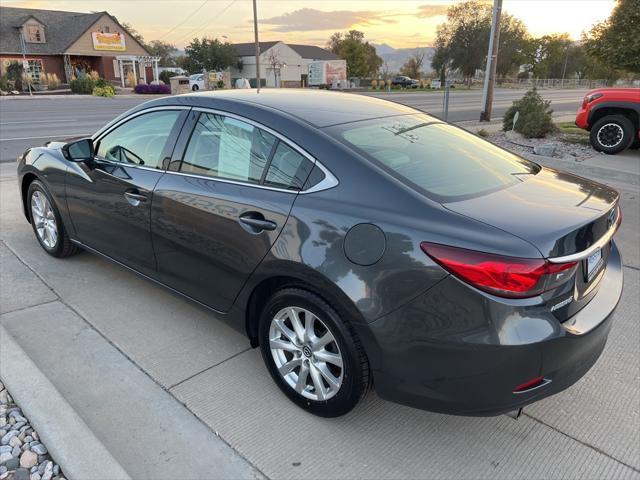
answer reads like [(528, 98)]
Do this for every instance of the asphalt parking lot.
[(172, 392)]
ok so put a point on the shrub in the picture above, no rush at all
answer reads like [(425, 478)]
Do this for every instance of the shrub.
[(52, 81), (374, 83), (220, 84), (144, 88), (4, 84), (381, 84), (93, 75), (534, 119), (14, 74), (483, 133), (106, 91), (83, 85), (166, 75)]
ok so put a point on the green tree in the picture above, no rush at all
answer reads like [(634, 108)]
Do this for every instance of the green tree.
[(413, 66), (470, 26), (549, 55), (514, 47), (164, 50), (208, 54), (362, 59), (441, 60), (616, 41)]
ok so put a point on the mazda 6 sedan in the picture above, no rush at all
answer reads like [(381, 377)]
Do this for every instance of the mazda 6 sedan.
[(356, 241)]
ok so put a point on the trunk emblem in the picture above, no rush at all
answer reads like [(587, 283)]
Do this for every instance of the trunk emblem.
[(566, 301)]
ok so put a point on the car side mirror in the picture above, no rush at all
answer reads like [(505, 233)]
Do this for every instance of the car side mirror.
[(79, 150)]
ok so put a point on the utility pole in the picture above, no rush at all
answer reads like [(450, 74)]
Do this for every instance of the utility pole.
[(25, 64), (255, 31), (492, 57)]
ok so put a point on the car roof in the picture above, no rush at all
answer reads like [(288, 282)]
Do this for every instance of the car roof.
[(319, 108)]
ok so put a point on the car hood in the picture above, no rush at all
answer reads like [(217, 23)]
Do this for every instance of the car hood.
[(557, 212)]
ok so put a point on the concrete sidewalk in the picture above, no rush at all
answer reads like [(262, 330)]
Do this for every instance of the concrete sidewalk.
[(172, 392)]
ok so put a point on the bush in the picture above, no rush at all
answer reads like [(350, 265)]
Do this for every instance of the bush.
[(534, 120), (83, 85), (95, 76), (145, 88), (106, 91), (4, 84), (166, 75), (220, 84), (381, 84), (52, 81), (374, 83)]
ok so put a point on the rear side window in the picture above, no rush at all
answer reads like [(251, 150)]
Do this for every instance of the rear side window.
[(288, 168), (444, 162), (227, 148)]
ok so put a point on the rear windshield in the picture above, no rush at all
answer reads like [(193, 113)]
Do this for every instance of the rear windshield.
[(444, 162)]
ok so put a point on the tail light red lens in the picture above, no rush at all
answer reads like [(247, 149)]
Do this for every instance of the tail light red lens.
[(502, 276)]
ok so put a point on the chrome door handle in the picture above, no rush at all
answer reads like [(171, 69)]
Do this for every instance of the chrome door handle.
[(135, 198), (258, 224)]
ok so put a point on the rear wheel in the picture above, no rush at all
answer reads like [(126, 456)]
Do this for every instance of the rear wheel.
[(312, 354), (47, 223), (612, 134), (195, 88)]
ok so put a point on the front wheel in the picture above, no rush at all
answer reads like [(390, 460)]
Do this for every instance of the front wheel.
[(47, 223), (612, 134), (312, 354), (195, 88)]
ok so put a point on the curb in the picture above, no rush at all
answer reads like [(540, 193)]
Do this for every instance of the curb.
[(67, 437)]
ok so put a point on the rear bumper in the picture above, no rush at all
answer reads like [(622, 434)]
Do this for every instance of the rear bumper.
[(454, 350)]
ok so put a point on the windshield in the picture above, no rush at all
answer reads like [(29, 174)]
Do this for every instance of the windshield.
[(444, 162)]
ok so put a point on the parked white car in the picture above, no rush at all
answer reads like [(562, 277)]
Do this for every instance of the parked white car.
[(196, 82)]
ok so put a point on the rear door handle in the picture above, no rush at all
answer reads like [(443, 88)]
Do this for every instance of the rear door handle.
[(134, 197), (257, 223)]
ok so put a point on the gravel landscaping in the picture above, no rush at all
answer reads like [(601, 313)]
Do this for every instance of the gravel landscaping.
[(22, 455), (558, 145)]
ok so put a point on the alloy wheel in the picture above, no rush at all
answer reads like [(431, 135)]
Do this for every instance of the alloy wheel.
[(610, 135), (306, 353), (44, 219)]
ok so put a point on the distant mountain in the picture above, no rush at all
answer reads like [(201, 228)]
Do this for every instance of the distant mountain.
[(396, 57)]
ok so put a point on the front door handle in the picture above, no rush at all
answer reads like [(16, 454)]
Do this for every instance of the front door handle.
[(134, 197), (256, 222)]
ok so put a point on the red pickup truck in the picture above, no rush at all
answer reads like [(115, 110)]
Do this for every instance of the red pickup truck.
[(612, 116)]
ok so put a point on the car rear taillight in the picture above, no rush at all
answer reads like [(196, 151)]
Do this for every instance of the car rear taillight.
[(499, 275), (590, 98)]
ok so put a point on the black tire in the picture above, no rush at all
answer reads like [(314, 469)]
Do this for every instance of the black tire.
[(195, 88), (355, 366), (612, 134), (63, 247)]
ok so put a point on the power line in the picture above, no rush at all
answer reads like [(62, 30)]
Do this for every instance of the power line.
[(188, 17), (199, 28)]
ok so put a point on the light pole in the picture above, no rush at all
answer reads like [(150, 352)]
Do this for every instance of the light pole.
[(255, 32), (492, 57)]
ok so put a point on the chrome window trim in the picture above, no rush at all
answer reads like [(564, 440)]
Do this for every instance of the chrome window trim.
[(329, 180), (120, 120), (606, 238)]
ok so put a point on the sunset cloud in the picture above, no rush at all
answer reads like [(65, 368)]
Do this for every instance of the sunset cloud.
[(426, 11), (307, 19)]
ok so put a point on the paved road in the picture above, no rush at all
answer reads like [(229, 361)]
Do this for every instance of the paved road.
[(465, 105), (28, 122), (147, 370)]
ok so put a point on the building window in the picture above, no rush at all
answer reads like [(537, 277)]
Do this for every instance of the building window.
[(106, 29), (35, 70), (34, 33)]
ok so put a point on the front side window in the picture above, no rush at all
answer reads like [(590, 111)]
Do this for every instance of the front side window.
[(443, 161), (224, 147), (140, 141)]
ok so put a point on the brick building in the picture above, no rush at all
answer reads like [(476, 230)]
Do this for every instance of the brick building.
[(65, 43)]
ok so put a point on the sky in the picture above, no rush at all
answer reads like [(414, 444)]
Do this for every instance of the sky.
[(398, 23)]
